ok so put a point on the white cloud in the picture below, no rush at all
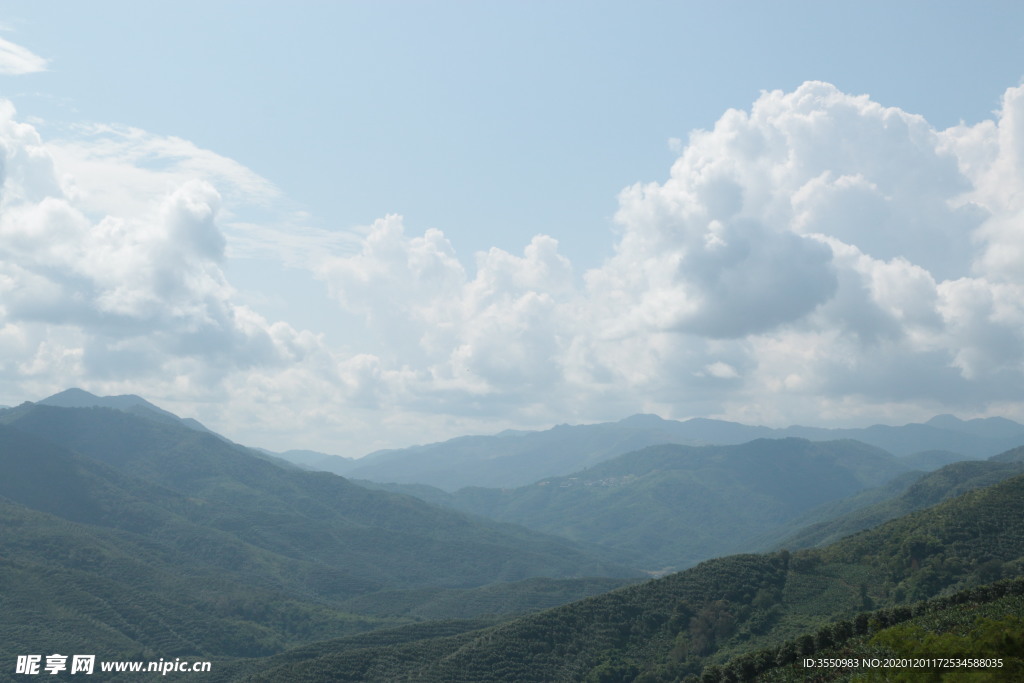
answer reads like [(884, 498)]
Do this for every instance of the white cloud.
[(815, 258), (108, 168), (817, 254), (16, 60), (128, 295)]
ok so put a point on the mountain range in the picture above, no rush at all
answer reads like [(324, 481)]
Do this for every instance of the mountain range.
[(127, 531), (146, 535), (517, 458), (669, 507)]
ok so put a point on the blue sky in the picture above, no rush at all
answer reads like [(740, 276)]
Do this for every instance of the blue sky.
[(240, 161)]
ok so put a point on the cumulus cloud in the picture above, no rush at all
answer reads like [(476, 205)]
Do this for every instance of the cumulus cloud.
[(817, 254), (494, 333), (817, 257), (131, 296)]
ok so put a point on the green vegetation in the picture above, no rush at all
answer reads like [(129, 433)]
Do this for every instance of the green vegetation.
[(669, 507), (981, 623), (139, 538), (151, 539), (364, 539), (493, 599), (118, 593), (682, 625), (899, 499)]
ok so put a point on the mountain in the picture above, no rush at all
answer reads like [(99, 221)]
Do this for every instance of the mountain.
[(128, 403), (928, 461), (513, 459), (315, 460), (927, 490), (141, 538), (672, 506), (967, 438), (694, 621), (988, 427), (384, 538), (146, 538), (93, 559), (509, 459)]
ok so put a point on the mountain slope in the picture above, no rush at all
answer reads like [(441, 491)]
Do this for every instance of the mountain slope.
[(673, 506), (128, 403), (153, 540), (673, 627), (929, 489), (92, 557), (385, 538), (506, 460), (981, 623)]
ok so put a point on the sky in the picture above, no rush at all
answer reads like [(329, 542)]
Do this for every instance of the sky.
[(348, 226)]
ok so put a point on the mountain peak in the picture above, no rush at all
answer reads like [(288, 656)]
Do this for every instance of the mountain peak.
[(126, 403), (642, 420), (70, 398), (945, 420), (80, 398)]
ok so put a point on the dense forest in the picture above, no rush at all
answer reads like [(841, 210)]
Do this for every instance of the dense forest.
[(685, 624)]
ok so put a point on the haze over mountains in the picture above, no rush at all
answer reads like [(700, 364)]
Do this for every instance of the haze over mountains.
[(110, 504), (517, 458), (656, 508)]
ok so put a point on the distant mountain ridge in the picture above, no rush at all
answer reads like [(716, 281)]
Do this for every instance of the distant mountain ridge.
[(516, 458), (513, 459)]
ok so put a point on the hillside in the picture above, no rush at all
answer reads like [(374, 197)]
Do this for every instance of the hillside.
[(979, 629), (123, 567), (676, 626), (107, 514), (673, 506), (927, 490), (152, 539), (382, 537)]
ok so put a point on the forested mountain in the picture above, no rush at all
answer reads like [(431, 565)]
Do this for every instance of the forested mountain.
[(91, 557), (675, 627), (127, 532), (981, 625), (108, 514), (679, 505), (927, 490), (516, 458), (672, 506), (128, 403)]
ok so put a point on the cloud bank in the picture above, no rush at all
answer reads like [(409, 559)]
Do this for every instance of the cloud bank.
[(817, 258)]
